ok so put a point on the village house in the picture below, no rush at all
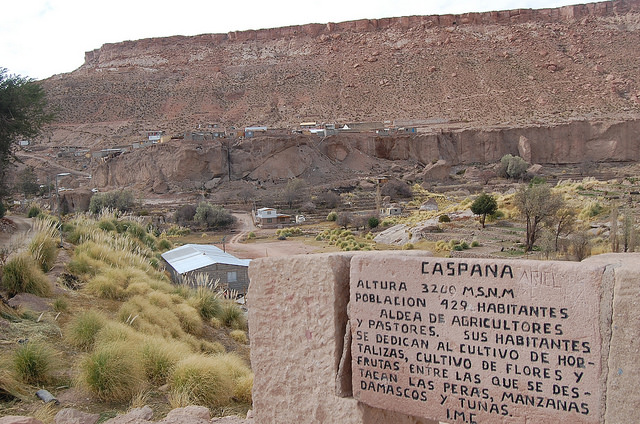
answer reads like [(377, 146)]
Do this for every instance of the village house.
[(190, 259), (391, 210), (270, 218)]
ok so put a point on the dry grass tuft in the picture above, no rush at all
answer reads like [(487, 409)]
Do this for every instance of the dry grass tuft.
[(21, 274), (113, 372), (83, 329), (239, 336), (204, 380)]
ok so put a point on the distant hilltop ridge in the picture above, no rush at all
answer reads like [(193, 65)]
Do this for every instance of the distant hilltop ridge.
[(515, 16)]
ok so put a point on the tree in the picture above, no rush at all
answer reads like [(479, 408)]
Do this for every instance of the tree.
[(537, 204), (23, 115), (484, 205), (121, 200), (344, 219), (396, 189), (213, 216), (294, 191), (512, 166), (373, 222), (581, 245), (565, 219)]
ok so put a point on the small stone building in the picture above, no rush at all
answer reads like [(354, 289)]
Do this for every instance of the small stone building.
[(217, 264)]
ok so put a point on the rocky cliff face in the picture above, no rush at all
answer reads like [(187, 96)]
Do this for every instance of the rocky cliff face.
[(568, 75)]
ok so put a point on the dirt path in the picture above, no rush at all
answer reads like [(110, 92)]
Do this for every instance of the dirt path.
[(270, 248), (16, 233)]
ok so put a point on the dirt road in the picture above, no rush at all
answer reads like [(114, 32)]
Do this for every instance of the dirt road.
[(16, 232), (257, 249)]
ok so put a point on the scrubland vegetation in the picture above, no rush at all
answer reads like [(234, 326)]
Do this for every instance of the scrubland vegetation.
[(118, 330)]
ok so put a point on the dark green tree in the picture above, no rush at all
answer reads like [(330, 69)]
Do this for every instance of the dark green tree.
[(23, 114), (484, 205)]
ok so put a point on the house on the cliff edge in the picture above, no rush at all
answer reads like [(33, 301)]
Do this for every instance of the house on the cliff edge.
[(216, 264)]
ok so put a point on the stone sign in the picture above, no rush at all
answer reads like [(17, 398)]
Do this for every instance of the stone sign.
[(477, 340)]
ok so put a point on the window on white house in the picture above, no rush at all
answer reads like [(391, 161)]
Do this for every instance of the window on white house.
[(232, 276)]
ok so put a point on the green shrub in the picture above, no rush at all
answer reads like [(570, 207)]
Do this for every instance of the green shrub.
[(113, 372), (373, 222), (206, 303), (21, 274), (251, 235), (232, 316), (34, 211), (332, 216), (60, 304), (204, 380), (475, 243), (106, 225), (444, 218), (122, 200), (81, 332), (464, 245), (34, 362), (408, 246), (164, 244)]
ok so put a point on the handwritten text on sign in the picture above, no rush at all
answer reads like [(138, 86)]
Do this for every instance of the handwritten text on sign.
[(467, 341)]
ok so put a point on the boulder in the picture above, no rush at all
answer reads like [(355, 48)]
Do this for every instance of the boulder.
[(135, 416), (188, 415), (73, 416), (524, 148), (19, 419), (437, 171)]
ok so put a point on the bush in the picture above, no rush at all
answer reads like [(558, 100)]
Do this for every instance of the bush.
[(106, 225), (444, 218), (185, 213), (34, 211), (159, 357), (232, 316), (113, 372), (373, 222), (44, 248), (83, 329), (512, 166), (204, 380), (60, 304), (3, 209), (122, 200), (251, 235), (408, 246), (34, 362), (332, 216), (396, 189), (213, 216), (164, 244), (206, 303), (22, 275)]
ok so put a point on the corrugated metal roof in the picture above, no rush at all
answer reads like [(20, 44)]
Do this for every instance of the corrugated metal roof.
[(195, 256)]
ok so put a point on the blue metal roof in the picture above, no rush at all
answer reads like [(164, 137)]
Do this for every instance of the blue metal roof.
[(191, 257)]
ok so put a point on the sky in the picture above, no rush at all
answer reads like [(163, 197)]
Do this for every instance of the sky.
[(40, 38)]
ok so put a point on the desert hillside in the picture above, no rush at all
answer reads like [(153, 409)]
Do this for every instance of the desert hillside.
[(567, 75)]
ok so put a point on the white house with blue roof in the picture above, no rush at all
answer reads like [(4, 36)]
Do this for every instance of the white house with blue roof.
[(203, 258)]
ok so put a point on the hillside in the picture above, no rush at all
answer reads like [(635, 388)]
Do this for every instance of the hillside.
[(473, 72)]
